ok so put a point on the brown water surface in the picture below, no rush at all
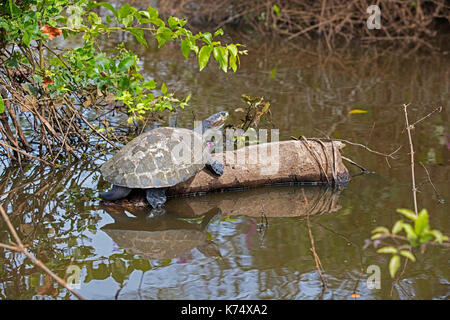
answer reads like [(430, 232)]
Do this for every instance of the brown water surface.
[(220, 246)]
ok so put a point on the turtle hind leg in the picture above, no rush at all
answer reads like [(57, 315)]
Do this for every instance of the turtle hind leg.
[(156, 197), (215, 167), (116, 193)]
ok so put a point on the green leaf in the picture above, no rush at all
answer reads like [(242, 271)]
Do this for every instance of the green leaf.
[(139, 34), (221, 55), (232, 49), (125, 64), (125, 11), (153, 13), (207, 37), (273, 72), (2, 105), (203, 56), (107, 6), (26, 38), (408, 254), (276, 9), (409, 231), (394, 264), (124, 83), (143, 265), (425, 237), (421, 224), (387, 250), (14, 9), (218, 32), (398, 226), (94, 18), (164, 88), (128, 20), (233, 64), (186, 47), (408, 213), (439, 237), (162, 35), (150, 85), (174, 22), (119, 271), (380, 230), (376, 236)]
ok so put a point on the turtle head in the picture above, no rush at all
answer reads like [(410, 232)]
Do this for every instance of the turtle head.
[(216, 121)]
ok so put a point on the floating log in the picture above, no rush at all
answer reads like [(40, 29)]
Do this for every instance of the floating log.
[(270, 163)]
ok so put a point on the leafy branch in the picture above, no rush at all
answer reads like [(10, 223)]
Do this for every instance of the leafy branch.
[(416, 234), (36, 75)]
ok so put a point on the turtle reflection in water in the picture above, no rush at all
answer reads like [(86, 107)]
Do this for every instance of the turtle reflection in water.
[(161, 238), (149, 161)]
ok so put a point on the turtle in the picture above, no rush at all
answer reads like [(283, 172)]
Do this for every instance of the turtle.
[(163, 237), (152, 161)]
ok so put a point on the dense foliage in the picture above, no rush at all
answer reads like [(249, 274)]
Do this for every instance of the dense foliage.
[(35, 72)]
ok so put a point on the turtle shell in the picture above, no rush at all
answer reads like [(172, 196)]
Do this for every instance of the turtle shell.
[(165, 244), (159, 158)]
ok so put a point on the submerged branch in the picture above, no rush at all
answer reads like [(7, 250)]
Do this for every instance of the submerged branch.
[(20, 247)]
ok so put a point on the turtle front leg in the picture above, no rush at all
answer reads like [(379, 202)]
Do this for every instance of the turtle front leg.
[(156, 197), (116, 193), (215, 167)]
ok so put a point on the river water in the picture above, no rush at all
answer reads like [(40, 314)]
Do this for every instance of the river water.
[(253, 244)]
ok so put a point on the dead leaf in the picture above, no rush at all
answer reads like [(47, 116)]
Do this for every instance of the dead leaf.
[(31, 103), (357, 111), (109, 97), (87, 103), (48, 288), (46, 81), (58, 103), (26, 228), (51, 31)]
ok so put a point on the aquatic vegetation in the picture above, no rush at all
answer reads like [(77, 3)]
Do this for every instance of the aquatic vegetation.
[(416, 235)]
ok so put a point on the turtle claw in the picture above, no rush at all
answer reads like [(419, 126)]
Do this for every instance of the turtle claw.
[(156, 197), (116, 193), (215, 167), (156, 212)]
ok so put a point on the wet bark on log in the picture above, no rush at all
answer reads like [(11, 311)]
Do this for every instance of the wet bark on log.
[(271, 163)]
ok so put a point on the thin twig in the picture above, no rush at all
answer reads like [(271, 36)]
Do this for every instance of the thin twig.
[(316, 257), (413, 178), (355, 164), (440, 199), (438, 109), (306, 144), (390, 155), (26, 154)]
